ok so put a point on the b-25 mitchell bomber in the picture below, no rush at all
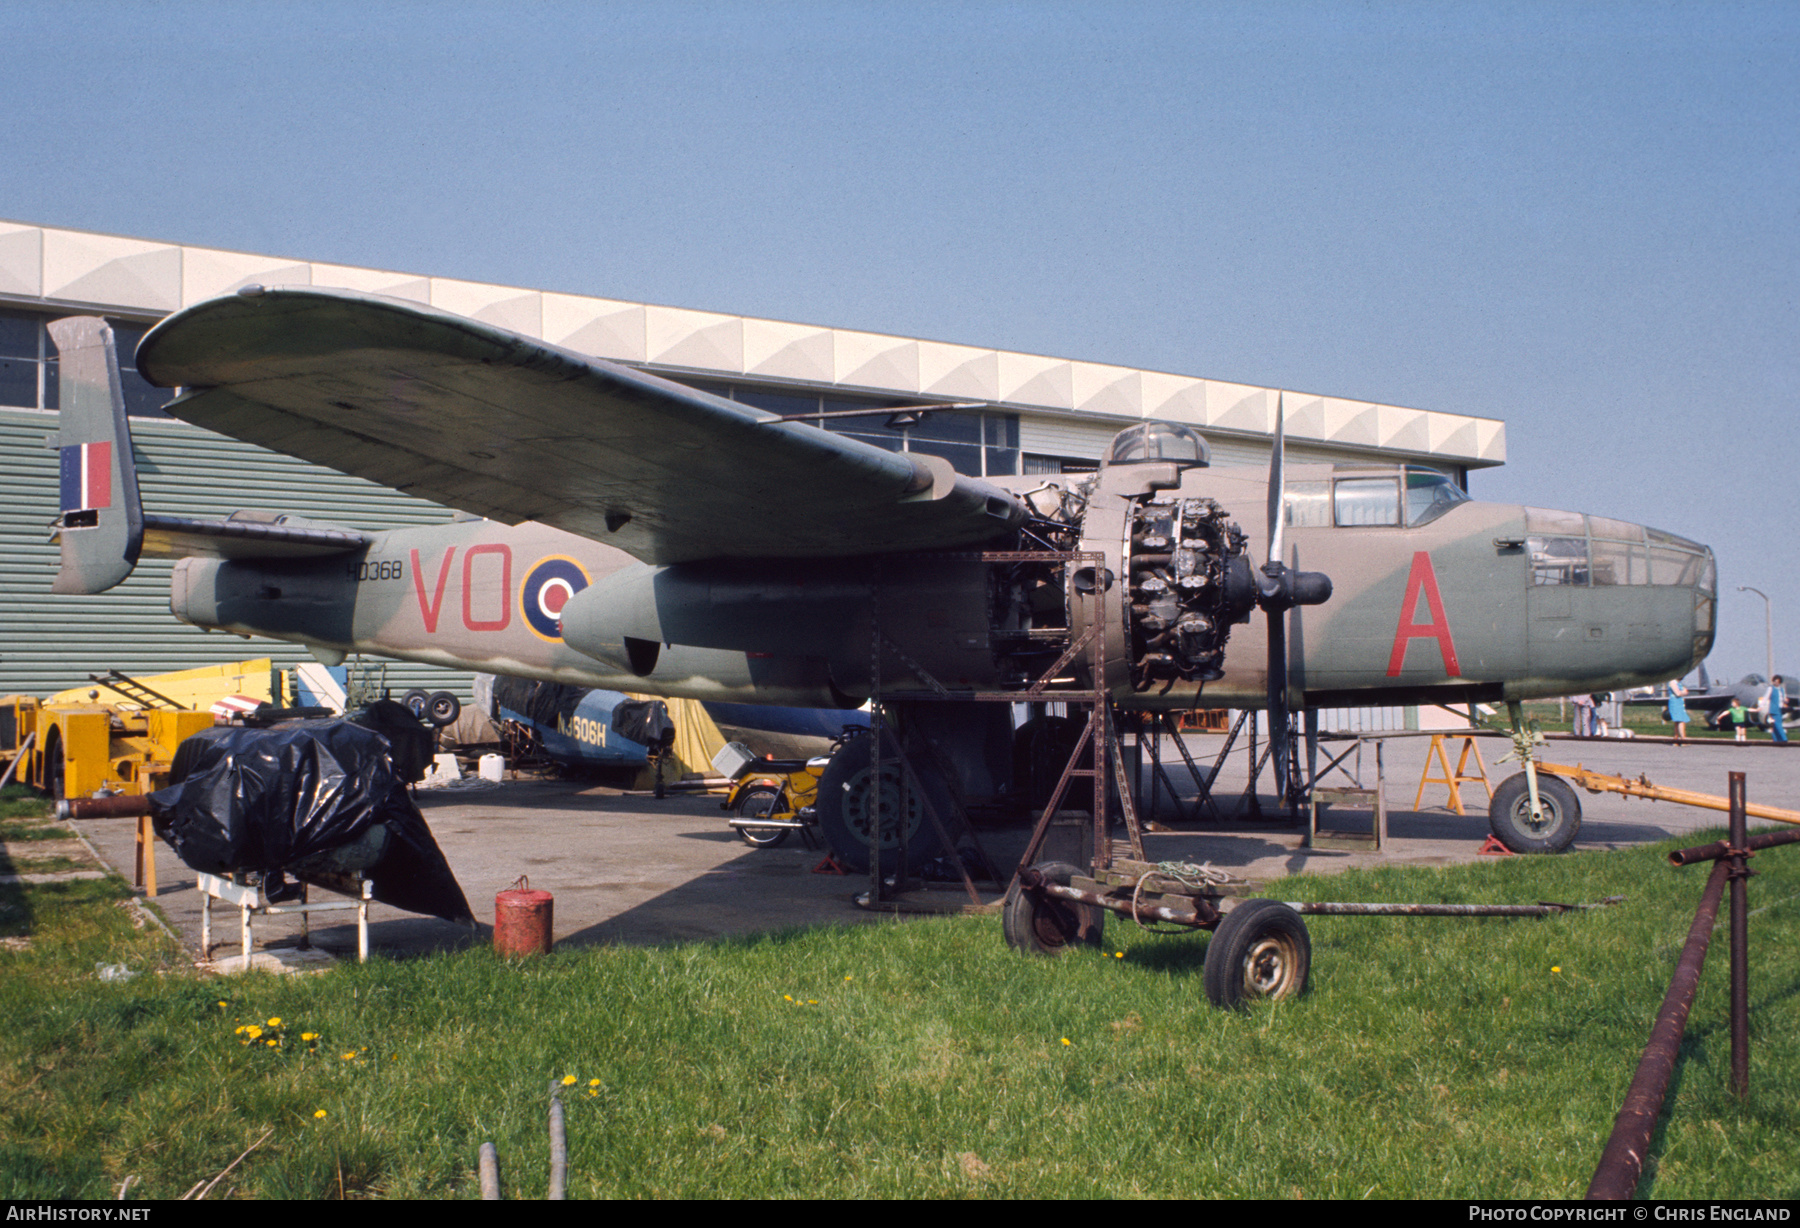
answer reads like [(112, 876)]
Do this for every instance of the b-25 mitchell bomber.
[(640, 535)]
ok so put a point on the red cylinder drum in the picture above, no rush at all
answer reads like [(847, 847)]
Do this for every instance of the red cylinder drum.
[(522, 919)]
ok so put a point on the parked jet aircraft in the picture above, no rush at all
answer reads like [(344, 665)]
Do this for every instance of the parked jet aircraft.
[(649, 537)]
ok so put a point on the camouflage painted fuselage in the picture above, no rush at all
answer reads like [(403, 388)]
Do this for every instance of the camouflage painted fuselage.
[(1483, 602)]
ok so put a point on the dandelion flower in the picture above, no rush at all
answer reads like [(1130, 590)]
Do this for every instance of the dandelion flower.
[(1118, 955), (593, 1083), (1067, 1041), (568, 1080), (350, 1056), (253, 1032), (319, 1114), (812, 1001), (275, 1022), (309, 1036), (788, 997), (221, 1004), (1556, 967)]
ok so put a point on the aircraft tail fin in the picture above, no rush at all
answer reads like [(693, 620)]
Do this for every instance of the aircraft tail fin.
[(101, 525)]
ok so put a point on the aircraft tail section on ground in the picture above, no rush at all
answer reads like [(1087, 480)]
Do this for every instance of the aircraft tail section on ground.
[(102, 528), (101, 521)]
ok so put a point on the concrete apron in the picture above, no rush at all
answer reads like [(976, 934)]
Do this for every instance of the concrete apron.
[(636, 870)]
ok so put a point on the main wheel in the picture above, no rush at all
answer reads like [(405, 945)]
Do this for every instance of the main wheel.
[(1509, 815), (754, 802), (1043, 925), (442, 708), (846, 810), (418, 703), (1260, 950)]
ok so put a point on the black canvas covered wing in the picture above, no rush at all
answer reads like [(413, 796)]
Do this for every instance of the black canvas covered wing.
[(492, 422)]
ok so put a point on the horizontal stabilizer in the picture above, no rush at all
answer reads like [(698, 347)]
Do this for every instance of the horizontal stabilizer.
[(176, 537)]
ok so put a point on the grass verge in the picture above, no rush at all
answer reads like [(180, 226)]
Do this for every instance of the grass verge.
[(1432, 1058)]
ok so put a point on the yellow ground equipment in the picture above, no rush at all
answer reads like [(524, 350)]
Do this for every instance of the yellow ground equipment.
[(1600, 782), (119, 734)]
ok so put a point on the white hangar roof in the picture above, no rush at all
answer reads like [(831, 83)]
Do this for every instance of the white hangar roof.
[(52, 267)]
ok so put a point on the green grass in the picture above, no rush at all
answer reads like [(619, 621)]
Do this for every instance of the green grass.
[(1432, 1058)]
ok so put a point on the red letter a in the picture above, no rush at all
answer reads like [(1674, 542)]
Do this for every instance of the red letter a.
[(1422, 579)]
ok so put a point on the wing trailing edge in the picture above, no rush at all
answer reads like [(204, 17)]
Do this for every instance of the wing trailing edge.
[(508, 427)]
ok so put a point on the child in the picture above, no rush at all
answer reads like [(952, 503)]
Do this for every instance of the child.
[(1738, 717)]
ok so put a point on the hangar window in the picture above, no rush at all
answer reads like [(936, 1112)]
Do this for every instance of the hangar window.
[(20, 337), (977, 444)]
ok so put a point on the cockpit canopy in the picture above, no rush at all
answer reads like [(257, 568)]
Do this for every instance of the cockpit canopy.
[(1157, 441)]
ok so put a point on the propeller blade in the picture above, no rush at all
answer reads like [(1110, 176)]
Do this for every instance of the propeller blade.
[(1277, 488)]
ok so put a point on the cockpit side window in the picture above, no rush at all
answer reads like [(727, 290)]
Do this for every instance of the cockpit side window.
[(1367, 501), (1429, 494)]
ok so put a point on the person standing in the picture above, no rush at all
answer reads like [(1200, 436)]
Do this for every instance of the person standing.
[(1584, 716), (1678, 714), (1777, 704)]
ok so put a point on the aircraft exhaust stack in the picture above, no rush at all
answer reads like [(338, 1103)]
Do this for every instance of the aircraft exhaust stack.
[(101, 522)]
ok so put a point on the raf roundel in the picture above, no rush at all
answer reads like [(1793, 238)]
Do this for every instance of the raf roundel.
[(546, 590)]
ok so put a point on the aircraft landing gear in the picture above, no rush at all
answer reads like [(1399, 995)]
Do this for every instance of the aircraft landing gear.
[(846, 810), (1532, 813)]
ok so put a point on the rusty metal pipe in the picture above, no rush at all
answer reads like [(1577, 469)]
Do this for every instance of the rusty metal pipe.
[(1196, 918), (1622, 1163), (1322, 909), (1738, 873), (1719, 848), (118, 806)]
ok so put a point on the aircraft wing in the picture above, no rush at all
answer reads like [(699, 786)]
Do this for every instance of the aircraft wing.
[(508, 427)]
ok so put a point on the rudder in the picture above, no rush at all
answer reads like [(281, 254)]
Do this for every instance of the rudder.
[(101, 525)]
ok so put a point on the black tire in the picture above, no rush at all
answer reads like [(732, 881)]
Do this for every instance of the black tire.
[(1509, 815), (844, 810), (418, 703), (442, 708), (55, 775), (1041, 925), (1260, 950), (753, 802)]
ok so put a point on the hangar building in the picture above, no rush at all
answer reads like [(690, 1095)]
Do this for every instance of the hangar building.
[(1038, 415)]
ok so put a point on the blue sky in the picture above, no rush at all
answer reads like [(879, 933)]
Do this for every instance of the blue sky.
[(1583, 219)]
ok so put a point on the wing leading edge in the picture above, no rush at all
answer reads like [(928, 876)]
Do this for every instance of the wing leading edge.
[(492, 422)]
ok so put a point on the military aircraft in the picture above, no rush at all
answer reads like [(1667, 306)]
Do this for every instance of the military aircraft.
[(640, 535), (1712, 699)]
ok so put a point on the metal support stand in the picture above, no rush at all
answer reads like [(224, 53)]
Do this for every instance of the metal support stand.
[(252, 903)]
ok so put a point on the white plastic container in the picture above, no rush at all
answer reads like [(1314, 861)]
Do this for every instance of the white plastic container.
[(491, 767)]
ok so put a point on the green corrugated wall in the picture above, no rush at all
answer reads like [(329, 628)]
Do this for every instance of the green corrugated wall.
[(48, 644)]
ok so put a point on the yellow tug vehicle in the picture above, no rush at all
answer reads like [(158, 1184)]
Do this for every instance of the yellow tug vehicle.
[(118, 734)]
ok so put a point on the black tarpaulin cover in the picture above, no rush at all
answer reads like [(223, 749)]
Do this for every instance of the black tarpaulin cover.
[(646, 722), (284, 800)]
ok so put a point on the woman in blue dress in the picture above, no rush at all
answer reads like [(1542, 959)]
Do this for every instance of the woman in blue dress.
[(1678, 709)]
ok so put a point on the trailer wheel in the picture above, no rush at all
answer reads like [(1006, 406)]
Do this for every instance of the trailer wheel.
[(754, 803), (418, 702), (442, 708), (1509, 815), (1260, 950), (1039, 924)]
